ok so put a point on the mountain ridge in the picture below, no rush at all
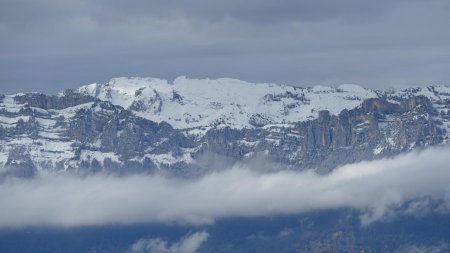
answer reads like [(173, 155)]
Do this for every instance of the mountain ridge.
[(129, 125)]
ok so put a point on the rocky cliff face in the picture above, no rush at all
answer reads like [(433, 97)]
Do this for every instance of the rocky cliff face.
[(376, 129), (159, 128)]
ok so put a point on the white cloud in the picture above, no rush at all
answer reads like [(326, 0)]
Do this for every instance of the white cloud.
[(188, 244), (439, 248), (373, 187)]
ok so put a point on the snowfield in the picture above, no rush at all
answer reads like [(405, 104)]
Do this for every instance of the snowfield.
[(193, 103)]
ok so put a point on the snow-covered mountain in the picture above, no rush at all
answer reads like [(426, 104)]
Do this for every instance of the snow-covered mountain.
[(182, 128), (192, 103)]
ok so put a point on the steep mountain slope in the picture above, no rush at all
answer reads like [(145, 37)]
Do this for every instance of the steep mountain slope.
[(192, 126)]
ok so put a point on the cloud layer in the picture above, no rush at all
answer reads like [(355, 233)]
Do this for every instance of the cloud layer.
[(373, 187), (188, 244), (48, 45)]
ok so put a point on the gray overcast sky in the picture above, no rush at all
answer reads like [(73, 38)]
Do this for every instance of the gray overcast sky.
[(49, 45)]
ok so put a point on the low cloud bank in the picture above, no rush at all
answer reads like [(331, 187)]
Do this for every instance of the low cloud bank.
[(373, 187)]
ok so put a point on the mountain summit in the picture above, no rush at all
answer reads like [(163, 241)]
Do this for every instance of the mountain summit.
[(190, 103)]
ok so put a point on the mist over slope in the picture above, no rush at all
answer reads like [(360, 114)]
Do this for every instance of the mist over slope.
[(374, 188)]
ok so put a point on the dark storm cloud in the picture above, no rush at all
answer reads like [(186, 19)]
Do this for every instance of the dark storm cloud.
[(48, 45)]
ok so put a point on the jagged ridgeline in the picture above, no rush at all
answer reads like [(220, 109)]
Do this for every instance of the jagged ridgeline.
[(189, 127)]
